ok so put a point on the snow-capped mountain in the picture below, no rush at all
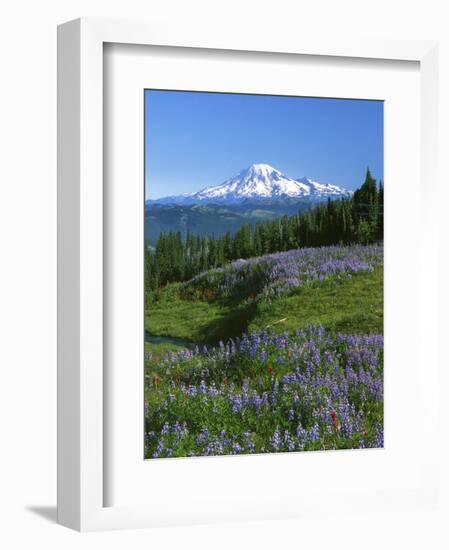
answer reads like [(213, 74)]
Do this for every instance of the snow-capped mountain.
[(259, 181), (324, 189)]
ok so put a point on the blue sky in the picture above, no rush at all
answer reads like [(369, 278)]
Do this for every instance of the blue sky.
[(198, 139)]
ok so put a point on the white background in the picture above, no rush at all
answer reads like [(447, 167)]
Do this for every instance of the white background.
[(28, 269)]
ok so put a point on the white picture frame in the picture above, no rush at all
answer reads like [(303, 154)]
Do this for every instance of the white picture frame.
[(81, 382)]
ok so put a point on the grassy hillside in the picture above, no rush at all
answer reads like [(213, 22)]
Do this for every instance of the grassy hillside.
[(351, 305)]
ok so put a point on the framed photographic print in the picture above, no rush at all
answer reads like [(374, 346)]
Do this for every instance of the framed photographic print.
[(263, 294), (235, 311)]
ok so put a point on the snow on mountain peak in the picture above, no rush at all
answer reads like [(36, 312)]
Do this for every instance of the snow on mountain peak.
[(260, 168), (256, 181), (323, 189), (261, 181)]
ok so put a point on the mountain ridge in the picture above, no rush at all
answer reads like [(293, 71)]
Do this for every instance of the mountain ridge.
[(257, 182)]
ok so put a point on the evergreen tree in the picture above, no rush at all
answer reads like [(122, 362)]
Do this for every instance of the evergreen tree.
[(380, 212)]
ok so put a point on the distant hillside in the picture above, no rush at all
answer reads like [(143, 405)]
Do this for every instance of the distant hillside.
[(215, 219)]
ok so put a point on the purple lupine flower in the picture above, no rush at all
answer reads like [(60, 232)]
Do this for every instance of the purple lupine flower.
[(248, 442), (203, 388), (289, 441), (379, 439), (203, 436), (314, 433), (276, 441)]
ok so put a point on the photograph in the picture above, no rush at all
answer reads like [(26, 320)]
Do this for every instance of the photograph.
[(263, 274)]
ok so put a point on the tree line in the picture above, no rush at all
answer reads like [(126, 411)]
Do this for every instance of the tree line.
[(355, 219)]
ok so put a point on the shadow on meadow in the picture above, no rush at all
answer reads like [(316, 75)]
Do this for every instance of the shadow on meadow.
[(232, 324)]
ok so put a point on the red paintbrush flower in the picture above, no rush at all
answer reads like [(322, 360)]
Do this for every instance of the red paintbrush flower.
[(334, 421)]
